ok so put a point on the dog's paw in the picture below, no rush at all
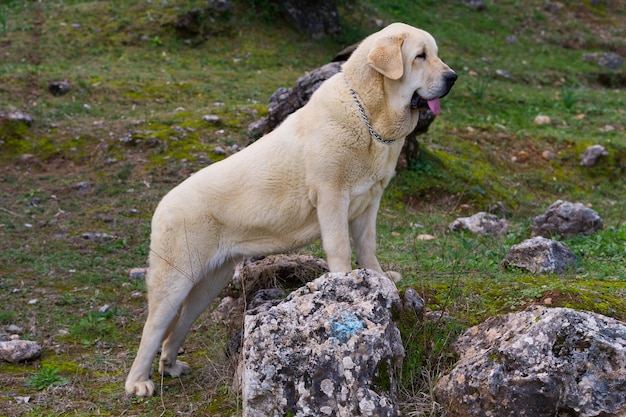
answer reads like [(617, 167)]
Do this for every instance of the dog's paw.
[(176, 370), (140, 388), (394, 276)]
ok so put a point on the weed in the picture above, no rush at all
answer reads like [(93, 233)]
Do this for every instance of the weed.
[(6, 317), (94, 326), (479, 86), (569, 98), (45, 378)]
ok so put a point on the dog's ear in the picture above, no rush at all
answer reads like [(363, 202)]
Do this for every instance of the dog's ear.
[(385, 56)]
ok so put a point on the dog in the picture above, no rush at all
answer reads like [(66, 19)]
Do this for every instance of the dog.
[(320, 174)]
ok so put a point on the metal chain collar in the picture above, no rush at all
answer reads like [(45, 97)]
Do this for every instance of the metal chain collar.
[(365, 118)]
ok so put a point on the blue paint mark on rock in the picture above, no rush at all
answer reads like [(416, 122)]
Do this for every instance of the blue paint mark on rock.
[(345, 326)]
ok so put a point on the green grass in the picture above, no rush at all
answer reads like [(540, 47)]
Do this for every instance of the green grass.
[(132, 128)]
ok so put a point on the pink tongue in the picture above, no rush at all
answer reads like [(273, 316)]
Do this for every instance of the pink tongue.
[(434, 106)]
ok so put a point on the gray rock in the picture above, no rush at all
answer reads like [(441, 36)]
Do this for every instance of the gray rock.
[(211, 118), (17, 117), (331, 348), (15, 351), (198, 23), (481, 223), (592, 154), (59, 88), (567, 219), (316, 18), (609, 60), (476, 4), (539, 363), (285, 101), (413, 302), (13, 329), (97, 236), (137, 273), (540, 255), (554, 7), (81, 186)]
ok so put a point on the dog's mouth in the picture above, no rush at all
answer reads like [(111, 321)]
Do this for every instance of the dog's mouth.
[(418, 102)]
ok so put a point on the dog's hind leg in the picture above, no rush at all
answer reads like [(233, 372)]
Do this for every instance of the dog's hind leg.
[(198, 299), (164, 304)]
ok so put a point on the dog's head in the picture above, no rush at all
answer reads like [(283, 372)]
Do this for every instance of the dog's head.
[(413, 76), (409, 56)]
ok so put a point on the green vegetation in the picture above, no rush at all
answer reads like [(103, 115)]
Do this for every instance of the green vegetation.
[(45, 378), (132, 127)]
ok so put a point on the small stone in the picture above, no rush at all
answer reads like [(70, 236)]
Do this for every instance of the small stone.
[(504, 74), (521, 156), (481, 223), (59, 88), (137, 273), (13, 329), (18, 116), (479, 5), (81, 186), (27, 157), (15, 351), (97, 236), (33, 301), (413, 302), (592, 154), (218, 150), (211, 118), (104, 308), (542, 120), (548, 155), (425, 236)]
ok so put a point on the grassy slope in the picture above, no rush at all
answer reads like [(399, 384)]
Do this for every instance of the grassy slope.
[(133, 79)]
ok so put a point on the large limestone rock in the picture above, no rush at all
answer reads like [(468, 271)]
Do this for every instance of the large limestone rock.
[(567, 219), (539, 363), (330, 349)]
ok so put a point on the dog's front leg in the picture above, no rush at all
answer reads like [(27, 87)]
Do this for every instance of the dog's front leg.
[(332, 215), (363, 230)]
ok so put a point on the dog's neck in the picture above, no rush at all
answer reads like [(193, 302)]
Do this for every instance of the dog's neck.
[(359, 105)]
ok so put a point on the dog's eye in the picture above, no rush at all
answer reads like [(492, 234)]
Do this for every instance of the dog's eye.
[(422, 55)]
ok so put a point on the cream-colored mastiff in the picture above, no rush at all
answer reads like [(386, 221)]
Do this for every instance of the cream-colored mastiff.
[(320, 174)]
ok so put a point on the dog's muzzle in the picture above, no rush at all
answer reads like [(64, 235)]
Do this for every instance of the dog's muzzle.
[(418, 102)]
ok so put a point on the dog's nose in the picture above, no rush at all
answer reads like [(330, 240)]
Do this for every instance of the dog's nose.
[(450, 78)]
